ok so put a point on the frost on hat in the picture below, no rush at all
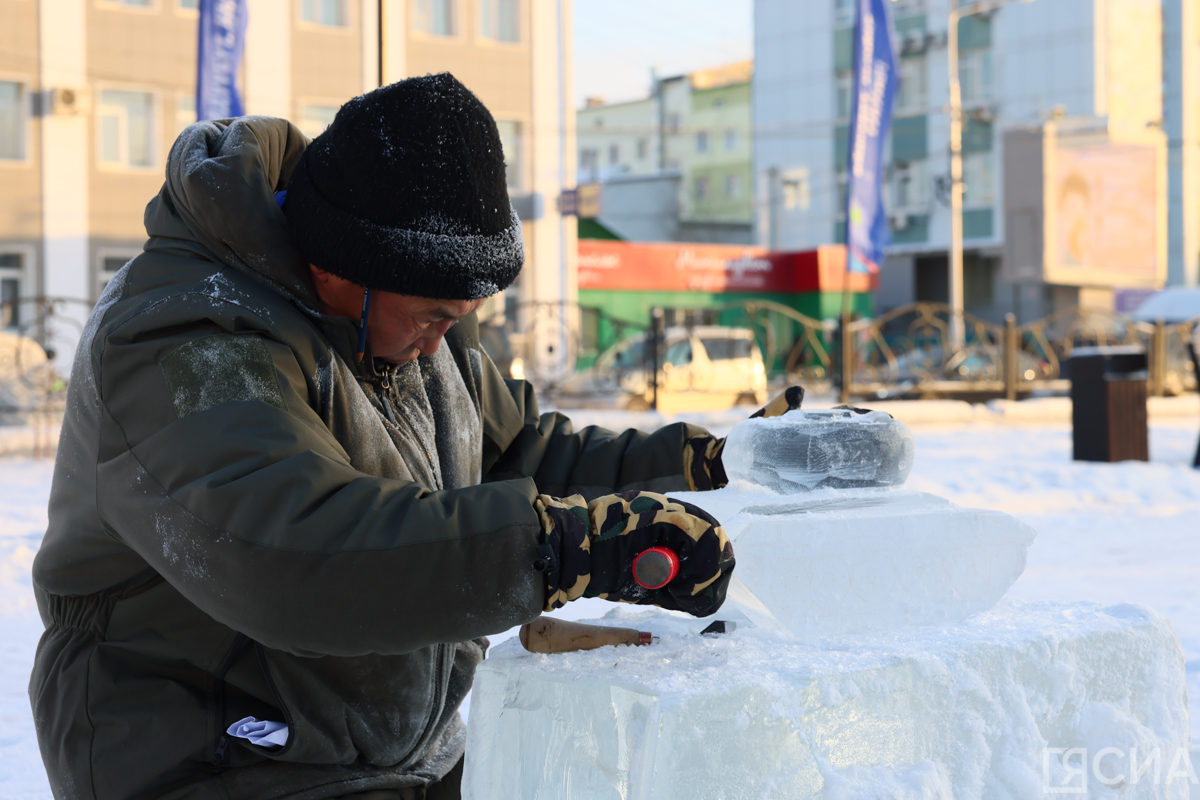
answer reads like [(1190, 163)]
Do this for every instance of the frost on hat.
[(405, 192)]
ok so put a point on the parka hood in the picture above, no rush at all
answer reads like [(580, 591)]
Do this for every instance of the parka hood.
[(220, 187)]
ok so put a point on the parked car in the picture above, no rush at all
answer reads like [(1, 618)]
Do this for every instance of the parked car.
[(705, 366)]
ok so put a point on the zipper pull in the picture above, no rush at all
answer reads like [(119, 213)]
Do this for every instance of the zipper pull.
[(220, 758)]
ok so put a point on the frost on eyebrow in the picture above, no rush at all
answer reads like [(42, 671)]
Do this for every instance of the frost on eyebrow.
[(218, 369)]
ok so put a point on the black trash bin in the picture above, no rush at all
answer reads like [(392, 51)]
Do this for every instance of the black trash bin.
[(1108, 403)]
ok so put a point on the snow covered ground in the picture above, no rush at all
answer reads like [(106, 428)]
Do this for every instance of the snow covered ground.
[(1107, 532)]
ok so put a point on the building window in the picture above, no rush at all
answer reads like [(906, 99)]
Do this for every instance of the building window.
[(733, 186), (731, 140), (436, 17), (701, 188), (614, 154), (843, 12), (109, 266), (910, 94), (324, 12), (12, 120), (589, 160), (975, 76), (11, 271), (126, 128), (510, 142), (910, 187), (979, 175), (673, 122), (643, 147), (842, 100), (498, 20), (185, 112), (315, 119), (702, 141), (129, 3), (189, 5)]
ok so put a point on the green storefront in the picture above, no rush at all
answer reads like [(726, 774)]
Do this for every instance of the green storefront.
[(620, 283)]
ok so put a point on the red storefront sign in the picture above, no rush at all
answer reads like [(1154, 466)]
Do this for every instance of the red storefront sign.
[(718, 268)]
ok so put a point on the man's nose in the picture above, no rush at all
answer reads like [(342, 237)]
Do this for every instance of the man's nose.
[(432, 340)]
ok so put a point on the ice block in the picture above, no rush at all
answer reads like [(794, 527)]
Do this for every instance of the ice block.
[(985, 709), (835, 448), (856, 560)]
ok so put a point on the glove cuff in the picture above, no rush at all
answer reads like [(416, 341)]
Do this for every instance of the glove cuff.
[(565, 527), (702, 465)]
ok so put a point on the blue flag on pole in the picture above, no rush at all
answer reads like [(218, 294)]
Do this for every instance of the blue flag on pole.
[(867, 232), (222, 36)]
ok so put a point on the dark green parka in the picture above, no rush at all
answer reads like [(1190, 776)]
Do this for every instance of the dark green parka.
[(246, 522)]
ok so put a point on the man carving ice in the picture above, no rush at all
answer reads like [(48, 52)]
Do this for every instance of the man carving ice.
[(292, 493)]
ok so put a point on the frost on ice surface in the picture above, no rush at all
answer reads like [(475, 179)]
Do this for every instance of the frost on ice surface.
[(808, 449), (857, 560), (964, 711)]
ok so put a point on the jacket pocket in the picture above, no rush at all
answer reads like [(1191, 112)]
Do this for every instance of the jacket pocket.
[(379, 710)]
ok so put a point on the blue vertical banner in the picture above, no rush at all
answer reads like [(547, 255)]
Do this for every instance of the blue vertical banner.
[(222, 38), (875, 78)]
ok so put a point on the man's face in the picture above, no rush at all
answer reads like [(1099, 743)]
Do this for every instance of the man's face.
[(400, 327)]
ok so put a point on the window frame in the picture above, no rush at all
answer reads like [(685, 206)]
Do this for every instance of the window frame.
[(980, 64), (456, 16), (183, 11), (23, 275), (700, 142), (153, 7), (912, 105), (971, 171), (101, 276), (700, 189), (25, 110), (314, 102), (733, 186), (309, 25), (521, 126), (154, 138), (491, 40)]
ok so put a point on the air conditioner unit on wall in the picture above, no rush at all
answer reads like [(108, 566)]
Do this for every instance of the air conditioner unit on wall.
[(64, 101)]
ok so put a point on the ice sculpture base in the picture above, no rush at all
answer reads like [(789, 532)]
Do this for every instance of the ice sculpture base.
[(962, 711)]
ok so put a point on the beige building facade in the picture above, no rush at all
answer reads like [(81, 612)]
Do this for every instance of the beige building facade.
[(94, 92)]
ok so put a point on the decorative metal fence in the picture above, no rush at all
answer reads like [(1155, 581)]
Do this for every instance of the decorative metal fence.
[(909, 351), (32, 390)]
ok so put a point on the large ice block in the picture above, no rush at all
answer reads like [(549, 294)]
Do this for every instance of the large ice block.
[(993, 708), (803, 450), (856, 560)]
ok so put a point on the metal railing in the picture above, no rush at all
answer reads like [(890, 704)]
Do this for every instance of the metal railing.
[(909, 352), (32, 390)]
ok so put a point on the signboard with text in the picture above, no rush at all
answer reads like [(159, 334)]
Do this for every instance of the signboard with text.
[(663, 267)]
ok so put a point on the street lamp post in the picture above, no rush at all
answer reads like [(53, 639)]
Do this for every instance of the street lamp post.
[(957, 188), (957, 325)]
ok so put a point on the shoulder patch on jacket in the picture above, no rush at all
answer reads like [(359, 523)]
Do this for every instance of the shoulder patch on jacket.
[(221, 368)]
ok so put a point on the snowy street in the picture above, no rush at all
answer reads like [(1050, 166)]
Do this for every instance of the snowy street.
[(1106, 532)]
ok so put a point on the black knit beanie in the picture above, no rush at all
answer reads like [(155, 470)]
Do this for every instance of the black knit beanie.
[(405, 192)]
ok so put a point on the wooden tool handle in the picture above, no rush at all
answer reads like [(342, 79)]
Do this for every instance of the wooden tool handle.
[(549, 635)]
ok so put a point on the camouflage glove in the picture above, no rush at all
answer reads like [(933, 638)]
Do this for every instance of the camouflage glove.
[(702, 455), (590, 549)]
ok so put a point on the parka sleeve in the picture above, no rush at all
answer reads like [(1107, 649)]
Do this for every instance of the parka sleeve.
[(233, 489), (521, 443)]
